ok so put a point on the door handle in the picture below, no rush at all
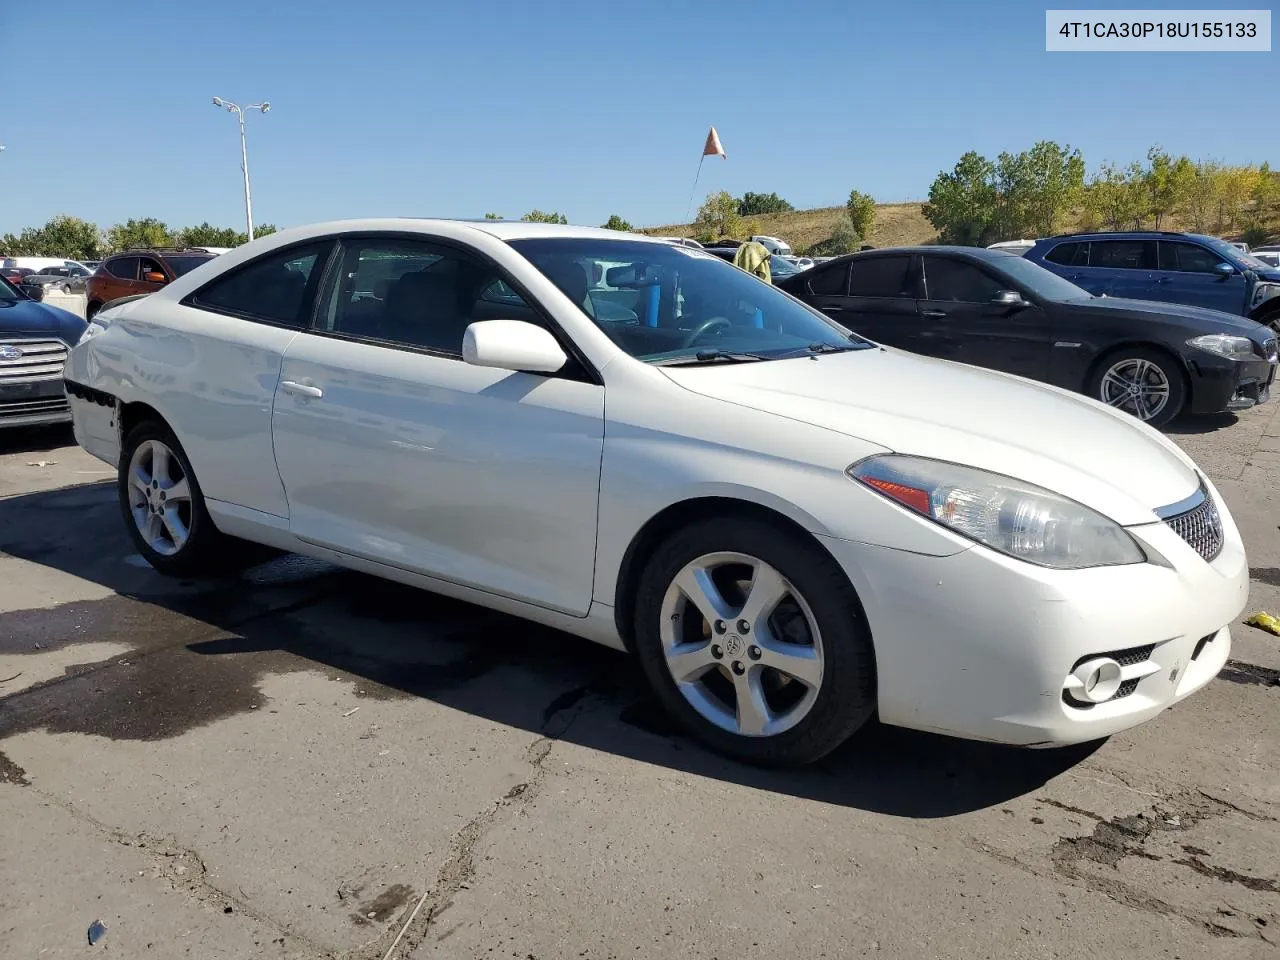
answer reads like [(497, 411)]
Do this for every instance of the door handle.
[(933, 314), (301, 389)]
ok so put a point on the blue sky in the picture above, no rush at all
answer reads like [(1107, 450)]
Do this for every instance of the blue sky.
[(431, 108)]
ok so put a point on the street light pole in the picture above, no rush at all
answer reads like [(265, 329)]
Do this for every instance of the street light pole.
[(244, 153)]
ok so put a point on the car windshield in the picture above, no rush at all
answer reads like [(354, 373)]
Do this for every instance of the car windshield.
[(780, 267), (660, 302), (1234, 254), (1043, 283), (185, 264)]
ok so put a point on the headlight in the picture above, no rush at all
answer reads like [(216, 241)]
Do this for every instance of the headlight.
[(1264, 291), (92, 330), (1016, 518), (1225, 345)]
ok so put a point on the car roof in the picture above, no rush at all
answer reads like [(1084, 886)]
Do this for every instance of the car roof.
[(501, 229), (972, 253), (1128, 235)]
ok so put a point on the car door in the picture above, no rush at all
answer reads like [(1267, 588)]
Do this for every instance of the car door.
[(1190, 274), (879, 301), (151, 275), (1120, 268), (393, 448), (121, 279), (959, 304)]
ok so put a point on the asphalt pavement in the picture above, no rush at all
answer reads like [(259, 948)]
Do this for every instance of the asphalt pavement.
[(307, 762)]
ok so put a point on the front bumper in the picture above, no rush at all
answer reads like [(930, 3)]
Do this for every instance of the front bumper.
[(981, 646), (1219, 384), (33, 403)]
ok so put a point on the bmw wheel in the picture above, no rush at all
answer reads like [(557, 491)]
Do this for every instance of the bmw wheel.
[(755, 641), (1146, 383)]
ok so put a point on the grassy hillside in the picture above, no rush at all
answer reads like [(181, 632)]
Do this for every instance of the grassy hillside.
[(896, 224)]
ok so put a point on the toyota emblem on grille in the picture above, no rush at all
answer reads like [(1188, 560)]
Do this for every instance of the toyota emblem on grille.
[(9, 353)]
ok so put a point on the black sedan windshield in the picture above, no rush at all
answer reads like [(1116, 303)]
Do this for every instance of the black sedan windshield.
[(1043, 283), (660, 302)]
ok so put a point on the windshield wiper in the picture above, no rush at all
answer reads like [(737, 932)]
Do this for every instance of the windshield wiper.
[(710, 356)]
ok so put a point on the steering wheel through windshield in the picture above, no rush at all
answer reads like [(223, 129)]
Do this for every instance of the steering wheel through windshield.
[(705, 327)]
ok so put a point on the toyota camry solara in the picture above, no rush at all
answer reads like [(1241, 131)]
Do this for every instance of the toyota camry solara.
[(789, 527)]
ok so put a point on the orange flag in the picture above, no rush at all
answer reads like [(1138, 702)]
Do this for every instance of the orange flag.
[(713, 147)]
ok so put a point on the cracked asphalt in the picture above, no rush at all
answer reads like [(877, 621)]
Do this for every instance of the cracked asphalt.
[(306, 762)]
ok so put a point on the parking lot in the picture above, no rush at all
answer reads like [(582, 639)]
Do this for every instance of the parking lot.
[(296, 762)]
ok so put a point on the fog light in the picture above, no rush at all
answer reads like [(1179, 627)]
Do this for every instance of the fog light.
[(1094, 681)]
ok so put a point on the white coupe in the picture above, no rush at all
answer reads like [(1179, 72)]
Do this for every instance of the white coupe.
[(789, 527)]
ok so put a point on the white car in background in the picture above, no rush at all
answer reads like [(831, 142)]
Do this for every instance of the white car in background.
[(718, 479)]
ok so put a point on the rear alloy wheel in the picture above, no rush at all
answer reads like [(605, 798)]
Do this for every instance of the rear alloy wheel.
[(164, 508), (1145, 383), (755, 641)]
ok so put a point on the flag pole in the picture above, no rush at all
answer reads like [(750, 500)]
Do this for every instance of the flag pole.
[(697, 177)]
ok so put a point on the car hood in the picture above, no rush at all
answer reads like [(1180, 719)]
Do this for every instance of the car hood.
[(1213, 321), (910, 404), (30, 318)]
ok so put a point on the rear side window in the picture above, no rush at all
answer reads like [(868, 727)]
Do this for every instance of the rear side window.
[(881, 277), (829, 281), (125, 268), (1187, 257), (184, 264), (1074, 254), (277, 288), (1123, 254)]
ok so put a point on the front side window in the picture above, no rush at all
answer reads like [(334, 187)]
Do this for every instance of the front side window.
[(415, 293), (958, 281), (666, 303), (1187, 257), (882, 277), (1123, 254), (148, 268), (123, 268), (829, 282), (276, 288)]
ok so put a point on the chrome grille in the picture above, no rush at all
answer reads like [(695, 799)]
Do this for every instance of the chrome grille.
[(1201, 527), (22, 360)]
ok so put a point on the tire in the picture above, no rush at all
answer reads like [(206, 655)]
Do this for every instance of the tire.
[(805, 719), (1271, 320), (91, 310), (155, 519), (1147, 370)]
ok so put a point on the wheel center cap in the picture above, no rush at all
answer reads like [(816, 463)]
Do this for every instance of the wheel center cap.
[(733, 645)]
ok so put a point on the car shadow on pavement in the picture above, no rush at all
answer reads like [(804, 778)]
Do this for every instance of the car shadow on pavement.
[(198, 650), (1187, 425)]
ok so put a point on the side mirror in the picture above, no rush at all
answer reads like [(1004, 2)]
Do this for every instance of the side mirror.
[(152, 277), (1224, 269), (512, 345), (32, 290), (1009, 298)]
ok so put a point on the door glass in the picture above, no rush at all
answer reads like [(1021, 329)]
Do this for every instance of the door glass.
[(146, 266), (125, 268), (1187, 257), (1074, 254), (1123, 254), (881, 277), (416, 294), (828, 281), (274, 288), (956, 280)]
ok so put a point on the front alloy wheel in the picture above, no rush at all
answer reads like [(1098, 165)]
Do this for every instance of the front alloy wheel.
[(159, 498), (753, 638), (1145, 383), (742, 646)]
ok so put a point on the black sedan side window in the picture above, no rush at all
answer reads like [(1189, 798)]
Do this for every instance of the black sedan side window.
[(958, 281), (828, 281), (890, 277)]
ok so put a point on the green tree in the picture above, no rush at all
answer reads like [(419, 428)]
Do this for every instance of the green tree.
[(962, 203), (63, 236), (262, 230), (1200, 205), (718, 216), (861, 209), (1037, 188), (492, 216), (207, 235), (1166, 182), (615, 222), (845, 238), (537, 216), (1117, 196), (755, 204), (147, 232)]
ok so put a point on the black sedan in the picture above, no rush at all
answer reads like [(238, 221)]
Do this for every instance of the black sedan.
[(34, 340), (995, 309)]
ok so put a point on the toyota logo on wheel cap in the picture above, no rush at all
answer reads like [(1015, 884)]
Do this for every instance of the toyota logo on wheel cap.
[(9, 353)]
